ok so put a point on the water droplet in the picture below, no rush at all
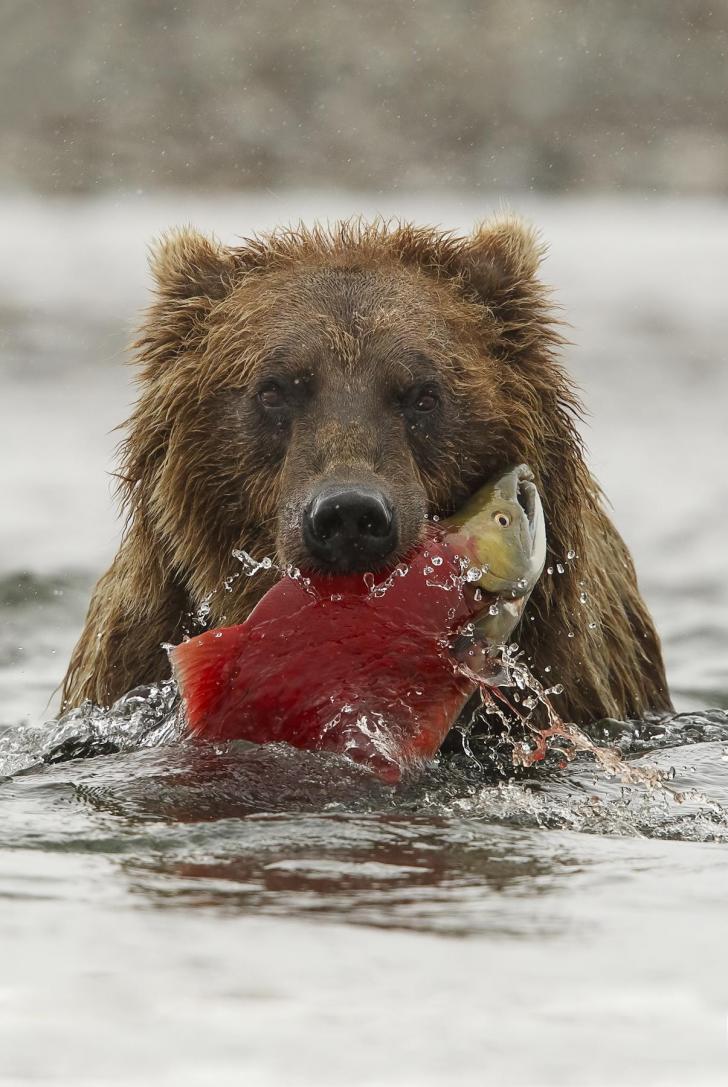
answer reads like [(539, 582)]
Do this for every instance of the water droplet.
[(558, 688), (203, 611), (436, 560), (570, 634), (559, 568), (592, 626), (547, 668), (583, 598), (493, 609), (570, 554), (250, 565), (473, 574), (549, 569)]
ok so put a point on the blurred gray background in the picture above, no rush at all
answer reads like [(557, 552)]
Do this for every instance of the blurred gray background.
[(364, 94)]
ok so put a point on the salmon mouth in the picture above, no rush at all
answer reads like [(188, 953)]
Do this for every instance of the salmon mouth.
[(527, 498)]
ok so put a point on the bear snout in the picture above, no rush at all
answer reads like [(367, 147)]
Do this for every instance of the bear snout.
[(350, 526)]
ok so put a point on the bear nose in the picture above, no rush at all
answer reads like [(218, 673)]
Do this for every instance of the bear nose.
[(350, 528)]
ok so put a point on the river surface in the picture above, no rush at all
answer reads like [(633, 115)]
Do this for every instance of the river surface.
[(186, 915)]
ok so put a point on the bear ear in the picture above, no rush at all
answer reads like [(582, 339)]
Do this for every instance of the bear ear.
[(185, 264), (499, 262), (500, 259)]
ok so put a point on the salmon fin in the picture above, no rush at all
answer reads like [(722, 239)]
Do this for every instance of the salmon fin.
[(202, 667)]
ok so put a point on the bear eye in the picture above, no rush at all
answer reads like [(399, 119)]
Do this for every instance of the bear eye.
[(271, 395), (427, 400), (424, 399), (502, 519)]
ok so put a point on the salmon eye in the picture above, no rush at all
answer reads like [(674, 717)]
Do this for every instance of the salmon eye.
[(501, 519)]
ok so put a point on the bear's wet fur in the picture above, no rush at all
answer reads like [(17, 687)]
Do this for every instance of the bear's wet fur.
[(351, 319)]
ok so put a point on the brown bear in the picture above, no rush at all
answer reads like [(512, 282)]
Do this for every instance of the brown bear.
[(315, 395)]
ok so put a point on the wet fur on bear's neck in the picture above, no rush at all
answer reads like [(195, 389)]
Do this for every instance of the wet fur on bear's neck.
[(355, 311)]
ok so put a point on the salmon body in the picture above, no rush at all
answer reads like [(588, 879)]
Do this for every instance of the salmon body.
[(368, 665)]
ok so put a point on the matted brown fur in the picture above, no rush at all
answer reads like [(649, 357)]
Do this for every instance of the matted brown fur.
[(351, 315)]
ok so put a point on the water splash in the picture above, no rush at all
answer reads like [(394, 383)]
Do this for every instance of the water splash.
[(379, 588), (531, 742), (148, 716), (200, 617), (252, 566)]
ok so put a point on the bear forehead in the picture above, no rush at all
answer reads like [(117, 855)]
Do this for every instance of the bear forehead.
[(345, 310)]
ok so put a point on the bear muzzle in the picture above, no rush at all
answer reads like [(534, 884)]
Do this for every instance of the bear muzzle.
[(350, 526)]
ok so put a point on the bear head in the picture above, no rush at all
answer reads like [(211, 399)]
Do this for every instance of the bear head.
[(317, 394)]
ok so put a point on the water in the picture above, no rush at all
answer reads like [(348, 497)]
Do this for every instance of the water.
[(186, 915)]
